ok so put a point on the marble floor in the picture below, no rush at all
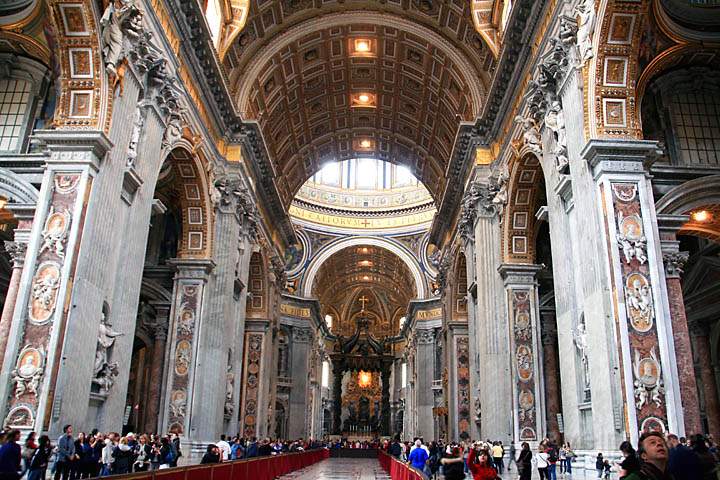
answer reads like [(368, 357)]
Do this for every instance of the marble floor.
[(369, 469)]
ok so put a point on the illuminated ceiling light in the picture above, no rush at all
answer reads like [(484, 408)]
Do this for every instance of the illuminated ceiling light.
[(701, 216), (364, 250), (366, 278), (363, 100), (365, 263), (365, 144), (362, 46)]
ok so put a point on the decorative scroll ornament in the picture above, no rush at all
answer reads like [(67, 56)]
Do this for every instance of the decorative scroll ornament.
[(121, 20), (28, 372), (55, 232), (675, 263), (648, 380), (631, 238)]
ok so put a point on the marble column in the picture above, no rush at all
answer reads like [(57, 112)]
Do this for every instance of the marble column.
[(701, 342), (385, 401), (17, 256), (43, 331), (480, 219), (160, 332), (424, 361), (551, 373), (191, 278), (527, 386), (636, 301), (337, 399), (299, 367), (674, 261)]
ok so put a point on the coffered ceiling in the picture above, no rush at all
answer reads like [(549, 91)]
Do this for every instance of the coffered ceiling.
[(295, 69)]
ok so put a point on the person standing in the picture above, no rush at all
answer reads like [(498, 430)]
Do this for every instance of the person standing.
[(524, 462), (706, 460), (224, 448), (10, 456), (418, 456), (453, 464), (541, 462), (28, 450), (497, 455), (143, 453), (599, 464), (630, 462), (212, 455), (682, 463), (177, 452), (65, 454), (40, 459), (479, 464)]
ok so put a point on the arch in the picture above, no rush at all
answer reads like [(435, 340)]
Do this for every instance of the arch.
[(525, 186), (689, 196), (234, 19), (192, 189), (16, 189), (253, 70), (154, 290), (405, 256)]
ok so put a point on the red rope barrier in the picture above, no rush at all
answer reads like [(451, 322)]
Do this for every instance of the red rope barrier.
[(396, 469)]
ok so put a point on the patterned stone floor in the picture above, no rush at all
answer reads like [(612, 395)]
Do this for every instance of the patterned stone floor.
[(369, 469)]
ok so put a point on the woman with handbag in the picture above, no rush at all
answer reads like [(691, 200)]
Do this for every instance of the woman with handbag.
[(524, 462)]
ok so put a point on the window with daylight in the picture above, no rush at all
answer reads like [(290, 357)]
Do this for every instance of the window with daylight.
[(403, 376), (328, 321), (696, 121), (365, 174), (214, 17), (14, 107), (325, 379)]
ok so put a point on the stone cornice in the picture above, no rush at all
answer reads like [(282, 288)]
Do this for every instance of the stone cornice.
[(207, 72), (513, 57)]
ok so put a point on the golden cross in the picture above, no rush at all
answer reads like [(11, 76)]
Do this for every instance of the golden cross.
[(362, 300)]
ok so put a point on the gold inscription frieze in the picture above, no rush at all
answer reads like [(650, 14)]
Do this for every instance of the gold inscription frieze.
[(428, 314), (361, 222), (294, 311)]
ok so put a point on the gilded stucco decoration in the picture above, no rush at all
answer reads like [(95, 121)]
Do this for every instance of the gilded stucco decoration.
[(525, 196)]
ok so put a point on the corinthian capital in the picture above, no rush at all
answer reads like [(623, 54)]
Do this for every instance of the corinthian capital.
[(16, 250), (674, 263)]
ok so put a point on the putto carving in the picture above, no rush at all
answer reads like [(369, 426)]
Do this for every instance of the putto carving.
[(531, 134), (121, 19), (55, 232), (44, 292), (278, 270), (648, 380), (638, 299), (499, 186), (28, 372), (631, 239), (675, 263), (555, 121)]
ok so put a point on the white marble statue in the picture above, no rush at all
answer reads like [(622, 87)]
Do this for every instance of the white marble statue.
[(585, 12), (106, 339)]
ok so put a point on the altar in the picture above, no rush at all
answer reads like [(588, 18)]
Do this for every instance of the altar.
[(361, 385)]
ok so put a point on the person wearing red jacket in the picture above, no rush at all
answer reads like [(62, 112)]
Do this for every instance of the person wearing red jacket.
[(479, 464)]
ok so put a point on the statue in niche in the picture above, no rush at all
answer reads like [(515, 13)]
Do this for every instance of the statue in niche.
[(106, 339), (580, 337), (229, 390), (585, 11)]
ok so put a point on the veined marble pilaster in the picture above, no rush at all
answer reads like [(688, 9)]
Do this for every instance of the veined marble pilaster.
[(182, 354), (490, 336), (424, 361), (645, 347), (32, 396), (525, 351), (302, 338), (255, 381)]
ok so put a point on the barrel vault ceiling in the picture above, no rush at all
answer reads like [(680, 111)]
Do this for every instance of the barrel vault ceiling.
[(296, 70)]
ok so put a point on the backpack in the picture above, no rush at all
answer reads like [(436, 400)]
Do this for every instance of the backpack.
[(552, 456)]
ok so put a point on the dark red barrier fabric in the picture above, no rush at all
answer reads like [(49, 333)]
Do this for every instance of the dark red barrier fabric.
[(396, 469), (264, 468)]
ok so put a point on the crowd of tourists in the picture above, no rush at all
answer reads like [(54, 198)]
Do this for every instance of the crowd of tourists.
[(96, 454), (658, 457)]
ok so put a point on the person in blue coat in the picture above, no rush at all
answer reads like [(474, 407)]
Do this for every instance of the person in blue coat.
[(418, 456), (10, 457)]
